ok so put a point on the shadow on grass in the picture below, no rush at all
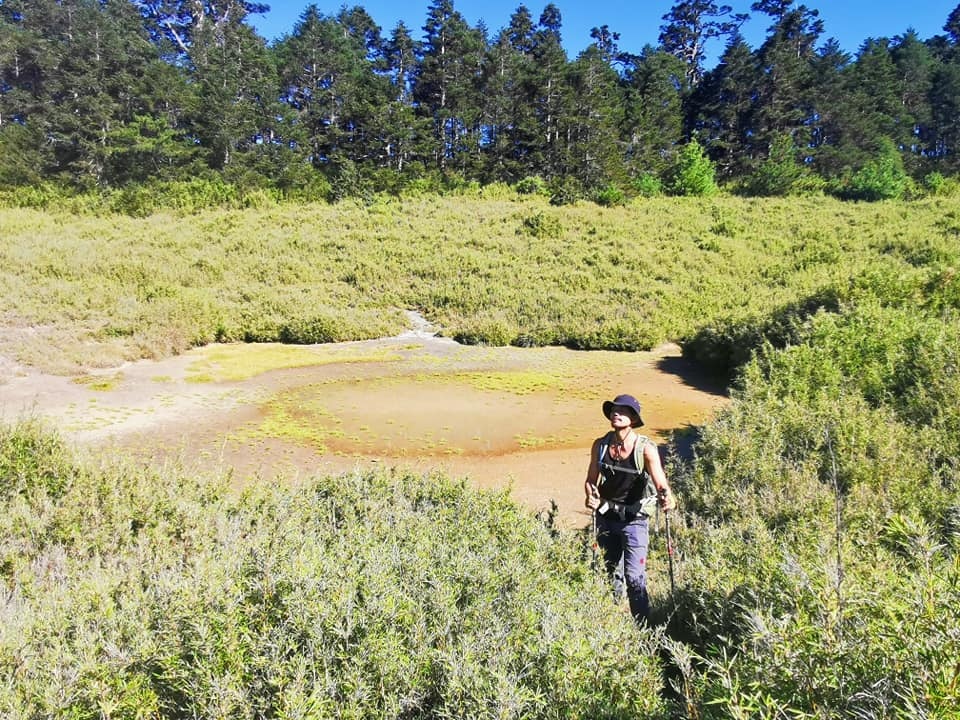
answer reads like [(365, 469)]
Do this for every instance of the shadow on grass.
[(679, 445), (692, 374)]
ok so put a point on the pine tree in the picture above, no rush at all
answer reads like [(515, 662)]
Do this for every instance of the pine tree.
[(915, 66), (447, 84), (516, 85), (402, 130), (826, 127), (551, 94), (591, 128), (336, 78), (653, 127), (724, 108), (689, 26), (945, 109), (72, 75), (229, 66), (786, 100)]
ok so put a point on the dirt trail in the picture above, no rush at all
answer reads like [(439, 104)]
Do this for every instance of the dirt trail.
[(514, 417)]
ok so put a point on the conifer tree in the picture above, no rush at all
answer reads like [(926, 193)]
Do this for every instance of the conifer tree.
[(915, 66), (786, 92), (724, 108), (447, 84), (72, 75), (508, 80), (550, 92), (591, 129), (401, 129), (690, 25), (653, 126)]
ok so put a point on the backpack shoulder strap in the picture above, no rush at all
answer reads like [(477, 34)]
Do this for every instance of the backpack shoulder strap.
[(604, 446), (642, 442), (638, 446)]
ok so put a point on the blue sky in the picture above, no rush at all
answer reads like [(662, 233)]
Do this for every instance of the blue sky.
[(637, 21)]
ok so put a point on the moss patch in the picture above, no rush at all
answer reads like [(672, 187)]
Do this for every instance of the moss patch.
[(103, 383), (236, 362)]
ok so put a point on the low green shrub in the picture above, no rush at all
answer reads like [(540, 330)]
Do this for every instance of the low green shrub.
[(723, 348), (648, 185), (140, 594), (935, 183), (541, 225), (780, 174), (42, 196), (531, 185), (693, 173), (487, 329), (565, 191), (820, 541), (33, 459), (882, 178), (610, 196)]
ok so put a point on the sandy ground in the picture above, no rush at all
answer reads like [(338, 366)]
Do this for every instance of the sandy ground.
[(500, 417)]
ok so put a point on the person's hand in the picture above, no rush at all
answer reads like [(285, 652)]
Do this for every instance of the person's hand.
[(668, 501), (593, 497)]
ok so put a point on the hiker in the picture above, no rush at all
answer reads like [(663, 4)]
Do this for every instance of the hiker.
[(624, 481)]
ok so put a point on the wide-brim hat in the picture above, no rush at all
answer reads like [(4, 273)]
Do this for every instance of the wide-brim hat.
[(627, 401)]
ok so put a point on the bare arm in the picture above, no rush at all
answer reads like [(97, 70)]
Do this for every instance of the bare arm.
[(590, 487), (651, 459)]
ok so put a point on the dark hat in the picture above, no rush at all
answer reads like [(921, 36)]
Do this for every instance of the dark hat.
[(627, 401)]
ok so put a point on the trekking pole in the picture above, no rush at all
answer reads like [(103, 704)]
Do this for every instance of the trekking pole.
[(594, 544), (666, 521)]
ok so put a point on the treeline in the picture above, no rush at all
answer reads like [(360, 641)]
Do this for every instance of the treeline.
[(106, 94)]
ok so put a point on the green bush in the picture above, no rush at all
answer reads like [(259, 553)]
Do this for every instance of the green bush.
[(648, 185), (360, 596), (565, 191), (880, 179), (41, 196), (610, 196), (693, 173), (935, 183), (33, 459), (348, 181), (540, 225), (723, 348), (823, 510), (531, 185), (779, 174), (487, 329)]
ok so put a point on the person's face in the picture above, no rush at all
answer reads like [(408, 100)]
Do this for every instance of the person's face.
[(621, 416)]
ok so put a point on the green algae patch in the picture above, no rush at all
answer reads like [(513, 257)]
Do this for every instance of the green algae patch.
[(524, 382), (285, 419), (534, 442), (424, 414), (101, 383), (237, 362)]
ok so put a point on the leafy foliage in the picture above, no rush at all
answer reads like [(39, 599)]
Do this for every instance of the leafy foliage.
[(833, 477), (357, 596), (102, 95), (692, 173), (882, 178), (817, 564)]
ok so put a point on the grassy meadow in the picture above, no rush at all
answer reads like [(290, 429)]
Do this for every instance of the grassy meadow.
[(81, 290), (818, 566)]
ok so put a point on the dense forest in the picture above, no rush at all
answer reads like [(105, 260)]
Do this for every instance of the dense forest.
[(105, 94)]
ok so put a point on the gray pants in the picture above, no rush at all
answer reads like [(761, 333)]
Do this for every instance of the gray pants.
[(624, 545)]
